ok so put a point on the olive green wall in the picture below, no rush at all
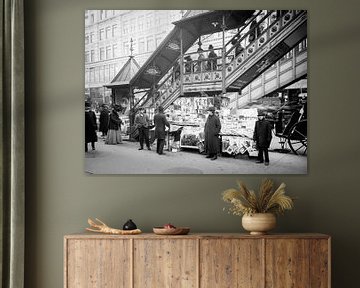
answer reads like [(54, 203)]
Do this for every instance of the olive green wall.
[(60, 196)]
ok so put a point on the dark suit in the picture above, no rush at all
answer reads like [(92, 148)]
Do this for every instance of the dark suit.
[(262, 137), (160, 122)]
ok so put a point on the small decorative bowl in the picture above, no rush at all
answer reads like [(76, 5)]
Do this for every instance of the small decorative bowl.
[(171, 231)]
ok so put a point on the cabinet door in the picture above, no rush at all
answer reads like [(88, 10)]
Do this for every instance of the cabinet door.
[(288, 263), (98, 263), (231, 263), (320, 263), (165, 263)]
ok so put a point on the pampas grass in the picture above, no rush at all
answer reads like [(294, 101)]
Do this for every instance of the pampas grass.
[(244, 201)]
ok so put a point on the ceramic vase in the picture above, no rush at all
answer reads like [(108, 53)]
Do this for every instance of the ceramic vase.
[(259, 223)]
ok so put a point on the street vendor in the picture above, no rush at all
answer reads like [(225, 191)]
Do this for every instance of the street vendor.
[(211, 131)]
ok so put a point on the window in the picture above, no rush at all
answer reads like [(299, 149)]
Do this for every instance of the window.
[(125, 27), (87, 38), (102, 53), (102, 74), (150, 44), (92, 18), (87, 76), (148, 22), (102, 14), (114, 29), (132, 25), (141, 45), (108, 30), (115, 52), (87, 57), (96, 74), (92, 75), (92, 37), (108, 52), (107, 78), (112, 71), (101, 34), (92, 59), (126, 48), (141, 23), (158, 20)]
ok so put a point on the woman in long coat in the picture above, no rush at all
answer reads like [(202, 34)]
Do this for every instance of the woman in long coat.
[(114, 134), (211, 131), (104, 121)]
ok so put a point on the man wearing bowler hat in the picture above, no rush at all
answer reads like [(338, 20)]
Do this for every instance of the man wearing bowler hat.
[(161, 123), (142, 123), (262, 137), (211, 132)]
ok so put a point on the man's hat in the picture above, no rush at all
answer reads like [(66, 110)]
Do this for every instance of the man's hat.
[(211, 108), (261, 113), (211, 46), (87, 104)]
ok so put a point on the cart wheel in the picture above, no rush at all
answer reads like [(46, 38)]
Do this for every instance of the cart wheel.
[(298, 138)]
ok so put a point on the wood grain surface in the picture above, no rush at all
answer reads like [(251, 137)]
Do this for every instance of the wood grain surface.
[(197, 261)]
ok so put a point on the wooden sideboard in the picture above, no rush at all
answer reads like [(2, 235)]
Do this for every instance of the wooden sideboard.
[(197, 261)]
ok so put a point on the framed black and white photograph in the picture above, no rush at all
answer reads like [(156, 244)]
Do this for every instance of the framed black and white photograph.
[(195, 92)]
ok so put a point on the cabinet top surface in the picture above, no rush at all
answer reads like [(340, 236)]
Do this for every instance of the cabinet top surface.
[(87, 235)]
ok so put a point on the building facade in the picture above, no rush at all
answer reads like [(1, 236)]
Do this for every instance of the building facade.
[(111, 36)]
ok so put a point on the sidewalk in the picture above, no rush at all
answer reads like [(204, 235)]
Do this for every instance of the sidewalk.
[(127, 159)]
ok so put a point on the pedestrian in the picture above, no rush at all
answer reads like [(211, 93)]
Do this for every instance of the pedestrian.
[(262, 137), (254, 31), (212, 62), (201, 64), (114, 133), (90, 127), (142, 124), (211, 133), (104, 120), (160, 122), (188, 64)]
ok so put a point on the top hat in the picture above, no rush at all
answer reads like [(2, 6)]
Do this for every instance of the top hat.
[(211, 108)]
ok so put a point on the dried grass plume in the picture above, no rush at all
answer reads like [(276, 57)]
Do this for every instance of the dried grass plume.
[(267, 200)]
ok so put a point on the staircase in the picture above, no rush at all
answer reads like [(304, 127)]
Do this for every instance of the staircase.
[(283, 73), (276, 34)]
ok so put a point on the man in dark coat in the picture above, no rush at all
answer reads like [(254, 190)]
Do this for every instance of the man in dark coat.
[(212, 62), (142, 123), (104, 120), (211, 133), (262, 137), (160, 122), (90, 127)]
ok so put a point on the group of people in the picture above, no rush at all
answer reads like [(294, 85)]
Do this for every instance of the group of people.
[(262, 136), (202, 63), (142, 123), (110, 127)]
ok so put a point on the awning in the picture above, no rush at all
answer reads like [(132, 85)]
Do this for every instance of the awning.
[(130, 68), (192, 25)]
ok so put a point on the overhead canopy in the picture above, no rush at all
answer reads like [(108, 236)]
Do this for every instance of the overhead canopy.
[(130, 68), (192, 25)]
